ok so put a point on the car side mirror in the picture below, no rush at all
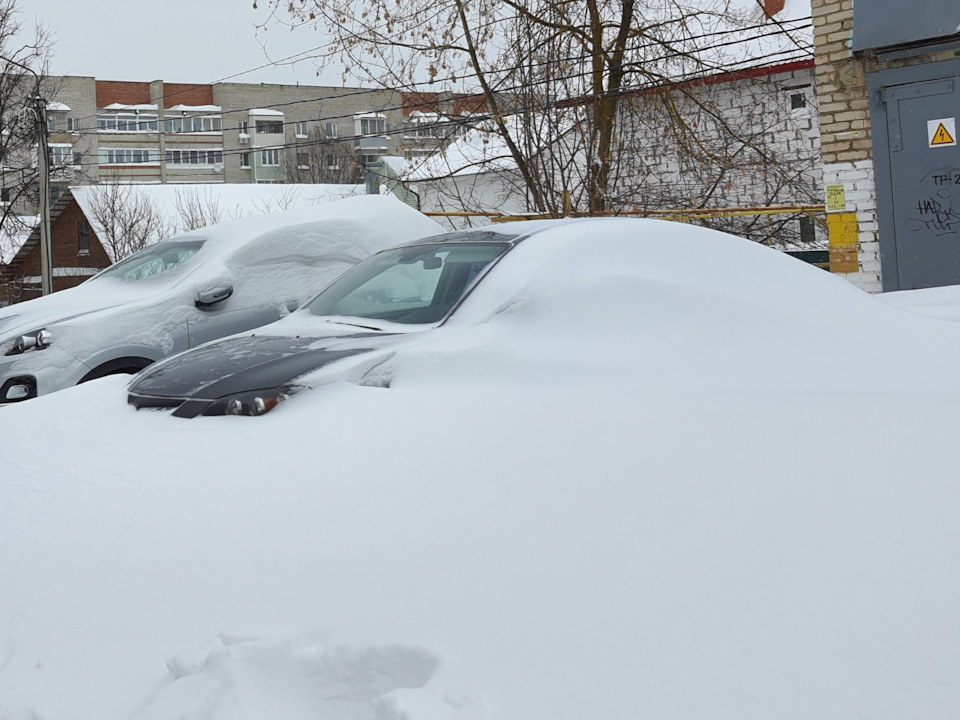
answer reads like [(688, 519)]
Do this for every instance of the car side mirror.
[(210, 296)]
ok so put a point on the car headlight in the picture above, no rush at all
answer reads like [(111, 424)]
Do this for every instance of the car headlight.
[(258, 402), (36, 340)]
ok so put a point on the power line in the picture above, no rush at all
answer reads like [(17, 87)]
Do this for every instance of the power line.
[(445, 124), (583, 57), (303, 144)]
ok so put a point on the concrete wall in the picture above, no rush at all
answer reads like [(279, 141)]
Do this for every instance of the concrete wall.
[(312, 106)]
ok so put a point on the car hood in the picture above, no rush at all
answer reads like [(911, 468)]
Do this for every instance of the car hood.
[(48, 310), (243, 364)]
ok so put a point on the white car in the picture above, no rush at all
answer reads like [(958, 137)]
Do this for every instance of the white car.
[(190, 289)]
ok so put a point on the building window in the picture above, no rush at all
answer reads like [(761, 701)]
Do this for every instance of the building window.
[(371, 126), (73, 124), (797, 101), (301, 129), (126, 122), (52, 123), (270, 158), (370, 159), (245, 160), (808, 233), (77, 159), (60, 155), (117, 156), (83, 238), (330, 129), (303, 161), (5, 195), (194, 157), (190, 124), (271, 127), (333, 162)]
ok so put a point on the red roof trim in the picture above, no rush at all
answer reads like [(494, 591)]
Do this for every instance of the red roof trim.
[(733, 76)]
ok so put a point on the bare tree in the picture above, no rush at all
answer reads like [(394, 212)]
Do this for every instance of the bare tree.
[(24, 56), (195, 212), (322, 159), (524, 55), (560, 81), (125, 219)]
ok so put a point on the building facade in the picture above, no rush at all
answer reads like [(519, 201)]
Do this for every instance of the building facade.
[(157, 132), (887, 80)]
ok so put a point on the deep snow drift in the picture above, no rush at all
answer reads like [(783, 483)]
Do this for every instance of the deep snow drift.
[(720, 484)]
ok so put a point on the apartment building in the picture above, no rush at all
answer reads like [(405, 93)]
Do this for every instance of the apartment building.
[(157, 132)]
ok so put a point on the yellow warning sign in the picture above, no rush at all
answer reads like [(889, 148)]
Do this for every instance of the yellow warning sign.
[(942, 132), (941, 136)]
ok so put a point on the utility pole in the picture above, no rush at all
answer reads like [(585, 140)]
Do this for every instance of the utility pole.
[(43, 164)]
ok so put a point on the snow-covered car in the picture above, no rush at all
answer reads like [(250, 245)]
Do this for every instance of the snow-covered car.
[(404, 298), (190, 289)]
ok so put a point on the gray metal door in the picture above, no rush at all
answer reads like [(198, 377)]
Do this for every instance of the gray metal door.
[(918, 183)]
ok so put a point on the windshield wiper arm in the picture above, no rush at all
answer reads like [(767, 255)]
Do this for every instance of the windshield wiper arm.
[(365, 327)]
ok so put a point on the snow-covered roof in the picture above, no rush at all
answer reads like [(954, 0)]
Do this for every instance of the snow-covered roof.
[(57, 107), (418, 116), (475, 152), (196, 108), (266, 111), (14, 233), (121, 106)]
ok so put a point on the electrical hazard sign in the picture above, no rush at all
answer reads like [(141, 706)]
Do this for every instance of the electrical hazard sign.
[(942, 132)]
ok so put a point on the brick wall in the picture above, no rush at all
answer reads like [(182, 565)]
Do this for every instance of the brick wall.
[(70, 266), (748, 140), (124, 93), (181, 94), (846, 141)]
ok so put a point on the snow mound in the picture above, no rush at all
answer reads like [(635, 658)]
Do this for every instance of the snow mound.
[(250, 677)]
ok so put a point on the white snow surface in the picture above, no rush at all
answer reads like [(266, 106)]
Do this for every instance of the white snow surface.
[(651, 472)]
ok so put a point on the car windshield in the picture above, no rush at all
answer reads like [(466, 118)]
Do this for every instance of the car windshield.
[(154, 260), (417, 284)]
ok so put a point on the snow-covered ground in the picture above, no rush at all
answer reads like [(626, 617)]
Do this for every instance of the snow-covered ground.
[(716, 483)]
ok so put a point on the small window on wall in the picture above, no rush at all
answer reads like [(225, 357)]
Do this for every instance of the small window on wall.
[(808, 233), (330, 129), (301, 129), (83, 238), (5, 195), (245, 160), (303, 161), (797, 101)]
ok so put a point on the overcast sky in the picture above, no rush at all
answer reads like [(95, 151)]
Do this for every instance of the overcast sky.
[(184, 41), (199, 41)]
